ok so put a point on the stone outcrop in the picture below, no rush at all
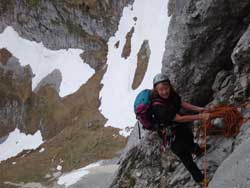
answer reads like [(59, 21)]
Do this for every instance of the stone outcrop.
[(15, 89), (53, 80), (127, 46), (142, 64)]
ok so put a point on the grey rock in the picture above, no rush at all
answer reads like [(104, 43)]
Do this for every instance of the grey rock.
[(15, 89), (218, 122), (19, 72), (234, 171), (241, 60), (241, 51), (200, 42), (133, 140), (53, 80), (223, 87), (143, 164)]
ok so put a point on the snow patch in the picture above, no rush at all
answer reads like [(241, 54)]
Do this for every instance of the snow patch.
[(17, 142), (74, 176), (59, 167), (43, 61), (41, 150)]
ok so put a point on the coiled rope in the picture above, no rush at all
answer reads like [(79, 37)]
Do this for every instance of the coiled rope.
[(233, 120)]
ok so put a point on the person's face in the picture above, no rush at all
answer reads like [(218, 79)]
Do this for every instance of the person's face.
[(163, 89)]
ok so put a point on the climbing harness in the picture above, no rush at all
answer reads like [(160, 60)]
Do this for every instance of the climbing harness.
[(168, 137)]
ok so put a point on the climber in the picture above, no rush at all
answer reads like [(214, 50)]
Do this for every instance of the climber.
[(166, 106)]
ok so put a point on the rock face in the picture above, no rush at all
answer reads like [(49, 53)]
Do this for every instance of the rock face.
[(81, 24), (53, 80), (241, 60), (223, 87), (15, 89), (145, 165), (202, 36), (207, 60), (234, 171)]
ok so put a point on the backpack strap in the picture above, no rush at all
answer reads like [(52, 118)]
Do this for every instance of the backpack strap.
[(139, 129)]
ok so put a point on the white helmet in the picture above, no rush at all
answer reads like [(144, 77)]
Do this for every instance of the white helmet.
[(160, 78)]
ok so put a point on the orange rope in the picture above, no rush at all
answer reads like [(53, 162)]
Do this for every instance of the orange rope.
[(205, 150), (233, 120)]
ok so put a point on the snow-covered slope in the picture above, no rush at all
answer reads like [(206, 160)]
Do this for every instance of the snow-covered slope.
[(17, 142), (117, 95), (43, 61)]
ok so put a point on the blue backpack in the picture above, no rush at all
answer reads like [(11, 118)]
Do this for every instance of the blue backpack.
[(142, 109), (144, 115)]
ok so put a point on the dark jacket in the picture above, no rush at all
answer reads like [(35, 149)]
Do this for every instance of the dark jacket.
[(164, 113)]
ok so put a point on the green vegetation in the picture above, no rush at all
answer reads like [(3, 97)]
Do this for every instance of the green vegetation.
[(33, 3)]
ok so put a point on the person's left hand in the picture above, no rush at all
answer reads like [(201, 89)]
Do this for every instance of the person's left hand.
[(205, 116)]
